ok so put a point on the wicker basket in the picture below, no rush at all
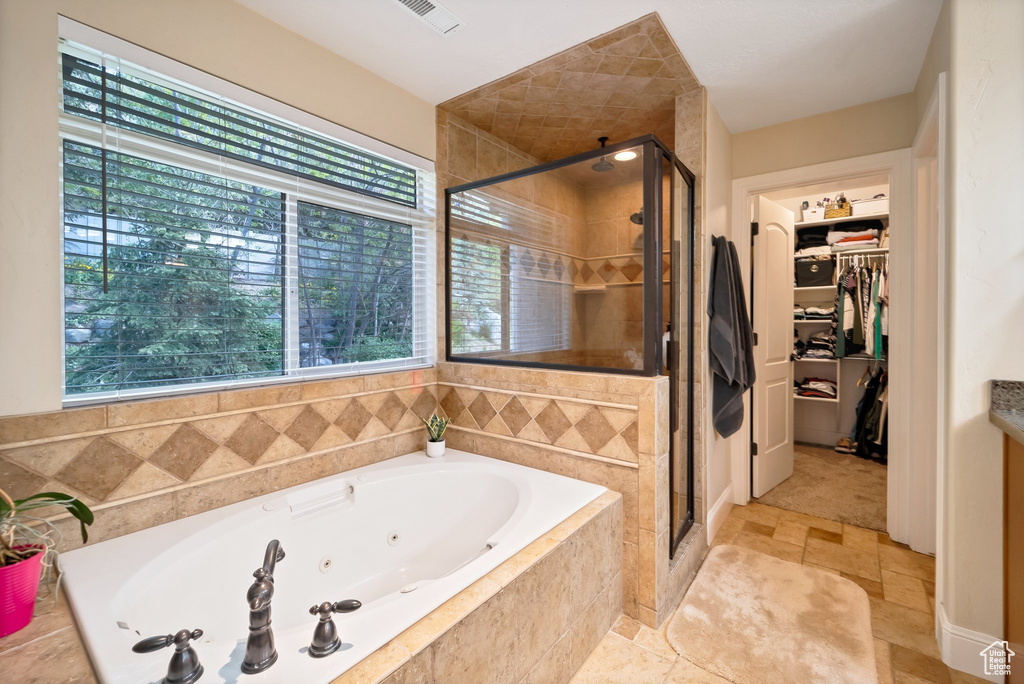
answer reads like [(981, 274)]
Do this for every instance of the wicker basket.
[(834, 212)]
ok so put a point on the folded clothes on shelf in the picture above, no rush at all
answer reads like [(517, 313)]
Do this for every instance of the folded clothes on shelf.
[(813, 251), (821, 388), (814, 236), (850, 236), (851, 246), (817, 312), (821, 345)]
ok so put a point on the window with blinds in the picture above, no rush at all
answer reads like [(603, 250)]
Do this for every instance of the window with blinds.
[(538, 303), (181, 283), (118, 98), (356, 281), (510, 289), (208, 245)]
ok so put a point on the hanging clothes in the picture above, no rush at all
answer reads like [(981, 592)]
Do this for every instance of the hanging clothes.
[(852, 313), (871, 318), (883, 315), (870, 433), (730, 339)]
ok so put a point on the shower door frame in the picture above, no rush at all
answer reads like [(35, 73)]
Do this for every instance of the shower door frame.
[(655, 153)]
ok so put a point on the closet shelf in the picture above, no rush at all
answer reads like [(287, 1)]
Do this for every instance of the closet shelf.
[(816, 360), (810, 290), (875, 250), (845, 219), (821, 399), (826, 321)]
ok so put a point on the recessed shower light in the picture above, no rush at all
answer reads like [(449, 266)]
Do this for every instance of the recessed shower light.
[(625, 155)]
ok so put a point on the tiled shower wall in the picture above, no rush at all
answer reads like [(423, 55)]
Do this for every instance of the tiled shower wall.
[(142, 463), (690, 148)]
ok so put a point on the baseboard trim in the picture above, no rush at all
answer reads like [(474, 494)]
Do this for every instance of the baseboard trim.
[(961, 647), (719, 512), (817, 437)]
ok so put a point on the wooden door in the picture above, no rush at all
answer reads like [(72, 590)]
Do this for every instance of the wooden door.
[(773, 325)]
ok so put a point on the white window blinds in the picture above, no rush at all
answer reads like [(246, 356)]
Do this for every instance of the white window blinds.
[(510, 287), (208, 244)]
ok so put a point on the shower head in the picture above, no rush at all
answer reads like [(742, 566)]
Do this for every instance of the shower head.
[(602, 164), (637, 217)]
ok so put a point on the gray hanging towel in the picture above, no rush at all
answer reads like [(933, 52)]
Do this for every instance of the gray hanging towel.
[(730, 340)]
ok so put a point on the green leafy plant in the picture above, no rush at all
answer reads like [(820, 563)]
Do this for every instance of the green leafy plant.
[(22, 536), (436, 428)]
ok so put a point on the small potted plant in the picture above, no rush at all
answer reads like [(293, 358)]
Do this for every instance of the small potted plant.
[(435, 435), (28, 545)]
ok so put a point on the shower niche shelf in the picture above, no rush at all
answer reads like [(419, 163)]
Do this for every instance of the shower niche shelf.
[(589, 289)]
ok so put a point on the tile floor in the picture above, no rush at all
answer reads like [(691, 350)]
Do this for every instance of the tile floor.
[(899, 582)]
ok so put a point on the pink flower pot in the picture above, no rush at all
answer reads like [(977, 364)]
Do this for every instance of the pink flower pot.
[(18, 586)]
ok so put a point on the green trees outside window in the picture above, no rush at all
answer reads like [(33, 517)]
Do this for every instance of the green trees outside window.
[(194, 279)]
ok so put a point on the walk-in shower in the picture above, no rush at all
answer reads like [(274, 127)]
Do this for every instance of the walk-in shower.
[(582, 264)]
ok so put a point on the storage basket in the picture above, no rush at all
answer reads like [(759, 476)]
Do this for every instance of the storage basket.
[(834, 212), (870, 206), (814, 272), (815, 214)]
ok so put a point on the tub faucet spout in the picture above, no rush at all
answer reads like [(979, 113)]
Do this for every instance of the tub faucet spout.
[(274, 553), (260, 652)]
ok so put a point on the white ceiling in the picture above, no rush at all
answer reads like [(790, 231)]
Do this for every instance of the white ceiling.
[(762, 61)]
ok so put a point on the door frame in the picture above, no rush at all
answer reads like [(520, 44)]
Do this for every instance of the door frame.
[(929, 150), (901, 521)]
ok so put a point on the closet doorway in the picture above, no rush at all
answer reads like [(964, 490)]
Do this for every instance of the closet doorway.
[(855, 398), (836, 348)]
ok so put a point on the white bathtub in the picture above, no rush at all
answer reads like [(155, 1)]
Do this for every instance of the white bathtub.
[(430, 525)]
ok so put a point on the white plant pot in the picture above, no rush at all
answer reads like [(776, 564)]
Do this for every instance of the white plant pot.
[(435, 449)]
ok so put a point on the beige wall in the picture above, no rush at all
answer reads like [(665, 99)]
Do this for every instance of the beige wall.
[(878, 126), (987, 299), (717, 216), (217, 36)]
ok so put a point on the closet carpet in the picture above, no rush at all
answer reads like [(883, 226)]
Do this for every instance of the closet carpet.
[(833, 486)]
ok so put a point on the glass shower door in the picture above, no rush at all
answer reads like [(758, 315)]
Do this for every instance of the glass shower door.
[(680, 318)]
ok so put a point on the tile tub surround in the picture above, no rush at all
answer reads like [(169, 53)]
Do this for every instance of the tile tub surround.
[(143, 463), (534, 618), (570, 411)]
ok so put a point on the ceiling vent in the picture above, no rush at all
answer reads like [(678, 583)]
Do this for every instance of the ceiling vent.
[(434, 15)]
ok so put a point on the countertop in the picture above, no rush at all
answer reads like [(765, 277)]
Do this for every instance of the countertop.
[(1007, 412)]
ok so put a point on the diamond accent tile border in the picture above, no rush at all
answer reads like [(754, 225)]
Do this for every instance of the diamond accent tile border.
[(103, 468), (572, 424)]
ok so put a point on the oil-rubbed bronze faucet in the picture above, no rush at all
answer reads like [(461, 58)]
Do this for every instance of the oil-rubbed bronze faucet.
[(260, 653), (184, 667), (325, 637)]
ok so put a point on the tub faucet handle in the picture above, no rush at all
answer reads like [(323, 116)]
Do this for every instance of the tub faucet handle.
[(346, 606), (325, 637), (184, 667)]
